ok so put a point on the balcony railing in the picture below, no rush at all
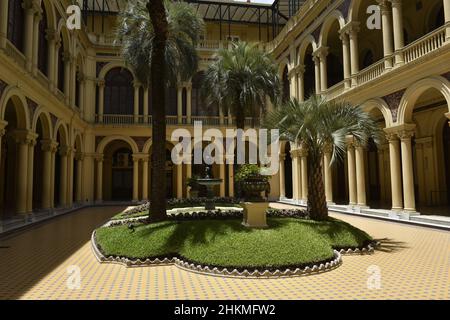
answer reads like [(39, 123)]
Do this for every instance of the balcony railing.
[(425, 45), (127, 120), (12, 52)]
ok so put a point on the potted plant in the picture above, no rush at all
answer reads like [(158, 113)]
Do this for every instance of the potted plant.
[(252, 183), (193, 186)]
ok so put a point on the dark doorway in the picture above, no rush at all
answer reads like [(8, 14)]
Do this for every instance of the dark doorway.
[(288, 173), (122, 175)]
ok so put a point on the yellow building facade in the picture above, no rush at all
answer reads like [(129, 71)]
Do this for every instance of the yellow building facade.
[(75, 124)]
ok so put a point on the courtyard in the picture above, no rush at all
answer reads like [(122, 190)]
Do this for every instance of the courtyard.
[(38, 263)]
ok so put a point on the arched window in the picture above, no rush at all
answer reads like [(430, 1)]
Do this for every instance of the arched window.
[(43, 42), (16, 23), (197, 103), (119, 92), (171, 101)]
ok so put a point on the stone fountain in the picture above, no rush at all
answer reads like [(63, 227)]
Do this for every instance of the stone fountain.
[(209, 182)]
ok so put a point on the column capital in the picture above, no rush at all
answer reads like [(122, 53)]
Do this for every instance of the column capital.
[(321, 52), (295, 153), (31, 6), (350, 141), (406, 135), (51, 35), (136, 84), (79, 156), (138, 157), (3, 124), (65, 151), (303, 151), (350, 28), (396, 3), (328, 148), (24, 137), (299, 69), (282, 156), (98, 157), (100, 83), (49, 145)]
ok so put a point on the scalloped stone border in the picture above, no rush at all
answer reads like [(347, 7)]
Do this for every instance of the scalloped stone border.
[(335, 262)]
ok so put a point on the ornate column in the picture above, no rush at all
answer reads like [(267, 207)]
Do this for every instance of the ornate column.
[(79, 182), (387, 31), (81, 94), (48, 148), (30, 9), (221, 116), (231, 180), (146, 120), (64, 153), (292, 84), (180, 103), (189, 103), (145, 177), (73, 82), (22, 167), (301, 82), (70, 161), (179, 180), (328, 176), (407, 170), (354, 51), (51, 38), (396, 180), (32, 143), (101, 99), (188, 176), (135, 178), (53, 173), (360, 176), (99, 196), (3, 23), (136, 86), (317, 73), (304, 172), (37, 19), (282, 182), (346, 57), (56, 64), (399, 42), (351, 171), (322, 54)]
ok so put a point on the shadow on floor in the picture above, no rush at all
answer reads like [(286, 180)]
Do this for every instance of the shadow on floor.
[(390, 245), (28, 256)]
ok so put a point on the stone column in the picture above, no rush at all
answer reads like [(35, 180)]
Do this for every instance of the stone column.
[(301, 82), (30, 172), (295, 175), (56, 64), (317, 73), (407, 170), (396, 180), (146, 110), (79, 182), (328, 176), (323, 53), (221, 116), (145, 178), (53, 173), (37, 19), (51, 38), (387, 31), (49, 148), (222, 176), (304, 172), (3, 23), (64, 153), (281, 172), (70, 161), (447, 18), (136, 86), (99, 196), (231, 180), (346, 57), (360, 176), (101, 100), (188, 176), (179, 180), (399, 42), (23, 140), (354, 52), (180, 103), (73, 82), (188, 103), (292, 84), (30, 10), (81, 94), (351, 171), (3, 124), (135, 178)]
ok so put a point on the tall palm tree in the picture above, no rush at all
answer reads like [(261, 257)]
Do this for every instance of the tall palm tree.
[(159, 40), (317, 124), (240, 79)]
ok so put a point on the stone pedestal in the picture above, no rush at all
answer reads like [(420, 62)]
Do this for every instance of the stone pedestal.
[(255, 214)]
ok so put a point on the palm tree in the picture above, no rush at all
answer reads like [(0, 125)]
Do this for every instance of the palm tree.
[(240, 79), (317, 124), (159, 40)]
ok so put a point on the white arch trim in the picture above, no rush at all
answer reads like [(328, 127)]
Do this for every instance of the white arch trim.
[(332, 17), (13, 92), (112, 65), (47, 125), (105, 141), (381, 105)]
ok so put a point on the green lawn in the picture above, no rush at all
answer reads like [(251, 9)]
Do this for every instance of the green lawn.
[(227, 243)]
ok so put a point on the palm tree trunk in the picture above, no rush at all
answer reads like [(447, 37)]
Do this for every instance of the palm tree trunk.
[(158, 17), (317, 203)]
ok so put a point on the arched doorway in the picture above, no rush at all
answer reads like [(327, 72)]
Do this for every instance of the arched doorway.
[(43, 134), (340, 184), (309, 75), (335, 68), (446, 148), (119, 92)]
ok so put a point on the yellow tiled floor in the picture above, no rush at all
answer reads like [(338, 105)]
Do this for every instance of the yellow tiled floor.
[(414, 263)]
